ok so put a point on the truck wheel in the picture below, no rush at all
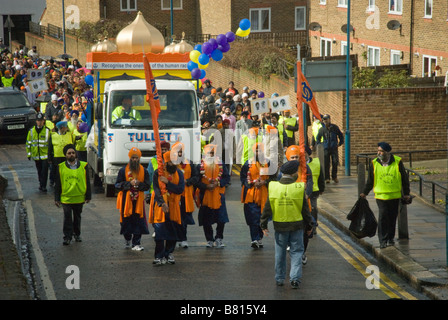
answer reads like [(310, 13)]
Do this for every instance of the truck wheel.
[(109, 190)]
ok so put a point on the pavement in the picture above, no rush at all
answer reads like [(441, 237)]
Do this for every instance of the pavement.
[(420, 256)]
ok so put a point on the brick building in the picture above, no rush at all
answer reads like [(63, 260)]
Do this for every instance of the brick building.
[(386, 32)]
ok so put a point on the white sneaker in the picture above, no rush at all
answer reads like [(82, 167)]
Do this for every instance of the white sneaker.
[(183, 244), (219, 243), (170, 259), (154, 234), (138, 248), (209, 244)]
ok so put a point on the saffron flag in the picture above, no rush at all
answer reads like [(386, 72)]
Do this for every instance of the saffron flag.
[(152, 97), (304, 92)]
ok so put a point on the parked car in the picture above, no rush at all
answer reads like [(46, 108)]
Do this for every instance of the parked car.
[(17, 115)]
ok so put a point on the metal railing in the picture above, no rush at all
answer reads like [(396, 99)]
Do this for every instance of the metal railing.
[(434, 185)]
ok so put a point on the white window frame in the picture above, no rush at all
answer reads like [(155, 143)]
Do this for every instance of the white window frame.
[(371, 7), (373, 63), (326, 40), (343, 48), (168, 5), (429, 65), (431, 2), (395, 10), (323, 2), (296, 10), (128, 4), (342, 3), (395, 53), (259, 10)]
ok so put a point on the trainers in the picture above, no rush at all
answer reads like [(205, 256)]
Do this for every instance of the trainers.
[(183, 244), (209, 244), (170, 259), (78, 238), (66, 242), (127, 244), (219, 243), (304, 259), (295, 284), (159, 261), (138, 248), (260, 244), (254, 244)]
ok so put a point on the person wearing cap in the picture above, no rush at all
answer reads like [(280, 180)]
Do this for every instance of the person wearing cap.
[(390, 182), (132, 181), (191, 176), (207, 89), (125, 111), (287, 206), (37, 142), (72, 190), (80, 133), (72, 122), (59, 140), (213, 177), (331, 137), (164, 209), (255, 176)]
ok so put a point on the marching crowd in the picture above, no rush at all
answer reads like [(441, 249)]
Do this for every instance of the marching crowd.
[(167, 192)]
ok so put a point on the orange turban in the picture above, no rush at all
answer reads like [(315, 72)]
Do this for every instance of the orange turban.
[(207, 148), (253, 130), (292, 150), (135, 151), (270, 128), (167, 156), (258, 145)]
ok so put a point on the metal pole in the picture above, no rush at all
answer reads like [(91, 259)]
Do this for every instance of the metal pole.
[(172, 20), (305, 131), (347, 116), (63, 25)]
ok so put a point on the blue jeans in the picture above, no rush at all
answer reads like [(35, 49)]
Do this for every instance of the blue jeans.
[(295, 240)]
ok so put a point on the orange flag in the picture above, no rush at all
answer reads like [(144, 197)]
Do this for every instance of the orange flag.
[(152, 97), (304, 92)]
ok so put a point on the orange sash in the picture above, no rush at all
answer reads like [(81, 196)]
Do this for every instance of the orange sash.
[(141, 196), (188, 192), (156, 214), (256, 195), (212, 198)]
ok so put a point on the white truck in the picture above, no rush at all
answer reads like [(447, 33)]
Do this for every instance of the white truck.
[(115, 136)]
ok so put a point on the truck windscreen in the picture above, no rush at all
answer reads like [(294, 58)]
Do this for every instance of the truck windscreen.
[(129, 109)]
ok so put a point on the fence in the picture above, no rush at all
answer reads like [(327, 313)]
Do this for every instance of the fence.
[(49, 30)]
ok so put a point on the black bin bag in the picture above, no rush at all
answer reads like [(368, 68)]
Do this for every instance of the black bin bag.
[(363, 222)]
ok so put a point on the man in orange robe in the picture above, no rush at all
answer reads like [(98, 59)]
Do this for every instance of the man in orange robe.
[(132, 181)]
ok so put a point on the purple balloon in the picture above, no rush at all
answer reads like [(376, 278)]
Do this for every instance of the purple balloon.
[(214, 43), (230, 36), (207, 48), (221, 39), (225, 47), (196, 73)]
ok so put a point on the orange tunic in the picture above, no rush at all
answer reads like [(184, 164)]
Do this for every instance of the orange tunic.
[(140, 197), (253, 194)]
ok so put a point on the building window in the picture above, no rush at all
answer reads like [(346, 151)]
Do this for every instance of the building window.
[(428, 8), (323, 2), (342, 3), (429, 66), (166, 4), (373, 56), (260, 20), (343, 48), (128, 5), (300, 18), (395, 57), (371, 5), (396, 6), (325, 47)]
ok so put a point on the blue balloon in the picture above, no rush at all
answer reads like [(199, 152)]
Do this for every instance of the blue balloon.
[(217, 55), (198, 47), (89, 80), (192, 65), (244, 24), (202, 76), (203, 59)]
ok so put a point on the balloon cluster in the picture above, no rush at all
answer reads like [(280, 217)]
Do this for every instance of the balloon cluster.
[(214, 49)]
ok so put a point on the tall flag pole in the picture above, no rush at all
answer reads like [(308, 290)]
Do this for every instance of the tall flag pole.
[(152, 97), (304, 95)]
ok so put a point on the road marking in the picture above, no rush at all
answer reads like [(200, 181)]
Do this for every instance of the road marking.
[(16, 182), (341, 245)]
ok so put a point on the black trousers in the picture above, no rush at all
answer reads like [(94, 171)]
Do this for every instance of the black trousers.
[(208, 231), (72, 220), (42, 172), (331, 157), (164, 248), (387, 218)]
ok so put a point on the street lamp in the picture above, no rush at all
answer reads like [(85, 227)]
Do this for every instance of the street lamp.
[(347, 117)]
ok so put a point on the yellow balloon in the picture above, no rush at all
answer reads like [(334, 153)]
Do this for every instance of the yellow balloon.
[(203, 66), (194, 55), (242, 33)]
